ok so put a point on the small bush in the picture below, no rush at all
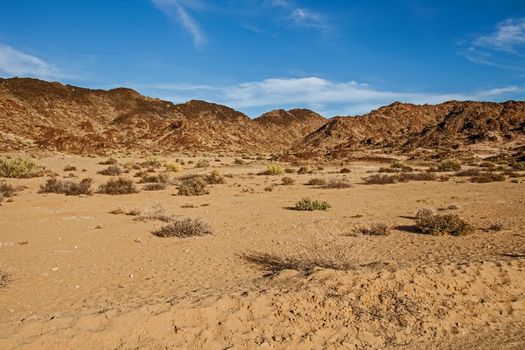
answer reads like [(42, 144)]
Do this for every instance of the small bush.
[(172, 167), (268, 188), (118, 186), (289, 170), (378, 179), (152, 161), (304, 170), (112, 170), (214, 178), (307, 204), (388, 170), (437, 225), (20, 168), (316, 181), (7, 190), (345, 171), (518, 166), (404, 177), (239, 161), (334, 183), (193, 186), (401, 166), (154, 178), (447, 165), (183, 228), (468, 172), (4, 279), (202, 163), (378, 229), (155, 186), (487, 177), (109, 161), (70, 168), (273, 169), (487, 165), (69, 188), (287, 181)]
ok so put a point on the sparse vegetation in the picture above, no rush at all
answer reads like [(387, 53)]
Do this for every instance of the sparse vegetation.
[(154, 178), (401, 166), (378, 179), (116, 186), (7, 190), (172, 167), (202, 163), (152, 161), (109, 161), (307, 204), (304, 170), (336, 183), (487, 177), (447, 165), (214, 178), (4, 279), (316, 181), (155, 186), (70, 168), (436, 225), (112, 170), (69, 188), (467, 172), (345, 171), (183, 228), (406, 177), (287, 181), (376, 229), (272, 169), (19, 168), (289, 170), (193, 186)]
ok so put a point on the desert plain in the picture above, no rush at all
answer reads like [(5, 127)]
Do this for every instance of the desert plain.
[(91, 271)]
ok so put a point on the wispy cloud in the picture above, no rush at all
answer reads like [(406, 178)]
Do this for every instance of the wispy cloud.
[(17, 63), (330, 97), (509, 35), (177, 10), (502, 48), (300, 16)]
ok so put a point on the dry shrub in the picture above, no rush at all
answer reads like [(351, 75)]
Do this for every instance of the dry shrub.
[(202, 163), (388, 170), (214, 178), (307, 204), (376, 229), (268, 188), (437, 225), (496, 226), (154, 186), (69, 188), (289, 170), (518, 166), (378, 179), (109, 161), (112, 170), (4, 279), (155, 213), (316, 254), (193, 186), (287, 181), (487, 165), (239, 161), (404, 177), (272, 169), (316, 181), (345, 171), (7, 190), (401, 167), (335, 183), (467, 172), (487, 177), (70, 168), (118, 186), (183, 228), (19, 168), (446, 165), (152, 161), (154, 178), (304, 170)]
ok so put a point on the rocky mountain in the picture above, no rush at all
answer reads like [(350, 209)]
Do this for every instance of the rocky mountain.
[(77, 120), (406, 127), (52, 116)]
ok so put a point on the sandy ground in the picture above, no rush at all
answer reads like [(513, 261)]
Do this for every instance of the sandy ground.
[(83, 278)]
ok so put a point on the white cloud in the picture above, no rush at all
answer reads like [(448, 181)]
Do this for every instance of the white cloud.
[(509, 34), (177, 10), (307, 18), (331, 97), (17, 63)]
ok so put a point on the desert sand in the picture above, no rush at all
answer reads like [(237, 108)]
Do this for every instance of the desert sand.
[(81, 277)]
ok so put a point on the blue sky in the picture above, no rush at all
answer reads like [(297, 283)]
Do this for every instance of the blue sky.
[(337, 57)]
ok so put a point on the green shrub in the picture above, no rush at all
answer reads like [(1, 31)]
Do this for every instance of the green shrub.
[(437, 225), (183, 228), (308, 204), (69, 188), (273, 169), (118, 186), (19, 168)]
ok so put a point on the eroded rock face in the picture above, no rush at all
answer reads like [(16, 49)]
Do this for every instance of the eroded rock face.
[(52, 116), (77, 120)]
